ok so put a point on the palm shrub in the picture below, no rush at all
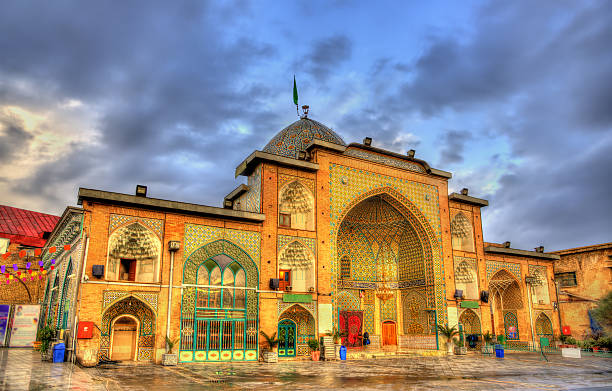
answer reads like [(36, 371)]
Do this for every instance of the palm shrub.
[(170, 343), (271, 340), (448, 332), (313, 344)]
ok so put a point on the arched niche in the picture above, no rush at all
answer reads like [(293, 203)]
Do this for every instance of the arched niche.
[(296, 206), (300, 261), (133, 254), (466, 279), (462, 233)]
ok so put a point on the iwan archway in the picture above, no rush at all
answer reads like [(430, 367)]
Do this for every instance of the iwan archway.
[(382, 242)]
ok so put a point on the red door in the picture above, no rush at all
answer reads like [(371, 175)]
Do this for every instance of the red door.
[(284, 279), (389, 333)]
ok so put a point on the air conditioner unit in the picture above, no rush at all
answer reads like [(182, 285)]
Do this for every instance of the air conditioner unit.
[(288, 288), (274, 283)]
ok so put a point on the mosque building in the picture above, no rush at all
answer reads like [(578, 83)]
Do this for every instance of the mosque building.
[(324, 235)]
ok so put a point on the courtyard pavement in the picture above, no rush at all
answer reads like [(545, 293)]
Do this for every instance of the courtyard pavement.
[(21, 369)]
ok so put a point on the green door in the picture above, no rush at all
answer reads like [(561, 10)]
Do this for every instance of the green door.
[(286, 338)]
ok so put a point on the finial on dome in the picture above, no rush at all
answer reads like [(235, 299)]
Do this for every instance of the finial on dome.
[(305, 111)]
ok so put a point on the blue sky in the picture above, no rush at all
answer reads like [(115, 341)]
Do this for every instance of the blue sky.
[(514, 98)]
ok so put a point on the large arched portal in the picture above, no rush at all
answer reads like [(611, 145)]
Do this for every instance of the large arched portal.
[(381, 243)]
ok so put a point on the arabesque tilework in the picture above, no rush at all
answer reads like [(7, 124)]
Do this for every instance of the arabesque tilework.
[(155, 225), (197, 236), (349, 186), (495, 266), (252, 198), (309, 243), (374, 157), (283, 179), (297, 136)]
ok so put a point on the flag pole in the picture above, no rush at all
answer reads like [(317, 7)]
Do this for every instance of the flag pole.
[(295, 97)]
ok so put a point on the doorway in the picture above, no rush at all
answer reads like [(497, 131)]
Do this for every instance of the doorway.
[(286, 338), (389, 333), (125, 333)]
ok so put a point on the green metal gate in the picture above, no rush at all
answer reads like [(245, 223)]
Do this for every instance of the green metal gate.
[(286, 337)]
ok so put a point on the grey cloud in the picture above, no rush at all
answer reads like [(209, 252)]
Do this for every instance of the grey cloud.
[(14, 140), (325, 56), (453, 146)]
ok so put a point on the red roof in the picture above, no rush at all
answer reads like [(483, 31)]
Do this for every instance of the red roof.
[(25, 226)]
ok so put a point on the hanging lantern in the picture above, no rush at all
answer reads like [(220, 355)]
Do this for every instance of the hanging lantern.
[(28, 265), (18, 273), (52, 267), (37, 252), (15, 267), (41, 264), (3, 269)]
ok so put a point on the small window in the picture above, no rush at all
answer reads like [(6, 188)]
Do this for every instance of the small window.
[(128, 270), (345, 268), (284, 277), (566, 279), (285, 220)]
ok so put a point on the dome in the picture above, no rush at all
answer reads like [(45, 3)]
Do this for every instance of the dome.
[(297, 136)]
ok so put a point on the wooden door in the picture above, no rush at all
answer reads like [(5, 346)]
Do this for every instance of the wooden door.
[(124, 339), (389, 333), (284, 279)]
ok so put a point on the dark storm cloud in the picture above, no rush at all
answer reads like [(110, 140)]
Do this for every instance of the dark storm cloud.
[(453, 146), (537, 75), (163, 81), (13, 139), (325, 56)]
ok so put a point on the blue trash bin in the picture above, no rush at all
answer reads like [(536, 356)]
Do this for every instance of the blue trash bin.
[(58, 352), (342, 352), (499, 351)]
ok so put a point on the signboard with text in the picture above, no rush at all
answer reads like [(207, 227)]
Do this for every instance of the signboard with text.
[(25, 325)]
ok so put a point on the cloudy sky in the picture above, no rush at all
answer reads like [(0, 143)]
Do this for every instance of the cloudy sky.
[(514, 98)]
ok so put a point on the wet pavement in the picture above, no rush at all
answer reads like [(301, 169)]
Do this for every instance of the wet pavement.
[(21, 369)]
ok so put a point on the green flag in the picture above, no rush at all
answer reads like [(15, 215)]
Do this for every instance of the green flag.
[(295, 95)]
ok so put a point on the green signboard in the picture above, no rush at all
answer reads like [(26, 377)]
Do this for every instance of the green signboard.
[(469, 304), (296, 298)]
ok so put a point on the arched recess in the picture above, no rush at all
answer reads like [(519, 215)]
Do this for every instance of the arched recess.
[(506, 299), (462, 233), (382, 231), (296, 206), (133, 254), (219, 321), (146, 317), (300, 261), (53, 301), (543, 326), (305, 326)]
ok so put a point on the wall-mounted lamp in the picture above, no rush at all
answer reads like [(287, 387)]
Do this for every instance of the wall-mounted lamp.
[(141, 190), (411, 153), (174, 245), (367, 141)]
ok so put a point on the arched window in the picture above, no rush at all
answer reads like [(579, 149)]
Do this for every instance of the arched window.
[(221, 276), (133, 254), (296, 207), (65, 303), (462, 233), (543, 326)]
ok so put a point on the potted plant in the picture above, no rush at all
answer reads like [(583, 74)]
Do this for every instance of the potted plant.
[(449, 333), (337, 336), (460, 348), (487, 348), (45, 336), (313, 344), (170, 358), (269, 354)]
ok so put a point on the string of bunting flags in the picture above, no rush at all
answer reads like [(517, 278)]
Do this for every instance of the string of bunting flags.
[(30, 272)]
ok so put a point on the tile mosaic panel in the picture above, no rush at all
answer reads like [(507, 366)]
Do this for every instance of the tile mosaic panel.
[(70, 232), (197, 236), (495, 266), (251, 200), (539, 272), (388, 308), (111, 296), (117, 221), (376, 158), (281, 306)]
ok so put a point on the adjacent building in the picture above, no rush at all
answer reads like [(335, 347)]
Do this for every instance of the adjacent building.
[(324, 234), (584, 275)]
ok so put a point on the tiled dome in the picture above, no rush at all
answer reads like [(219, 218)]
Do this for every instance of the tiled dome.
[(297, 136)]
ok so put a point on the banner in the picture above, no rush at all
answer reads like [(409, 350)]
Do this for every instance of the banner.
[(5, 310), (25, 325)]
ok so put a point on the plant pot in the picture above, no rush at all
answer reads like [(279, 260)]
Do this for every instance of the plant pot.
[(487, 349), (449, 347), (460, 350), (316, 355), (46, 356), (169, 359), (337, 350), (270, 356)]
